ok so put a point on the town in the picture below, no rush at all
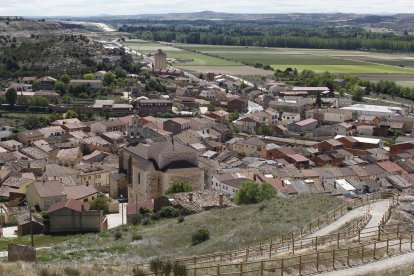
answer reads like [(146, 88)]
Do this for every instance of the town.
[(169, 143)]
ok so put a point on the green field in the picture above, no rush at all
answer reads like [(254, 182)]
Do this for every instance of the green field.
[(335, 61)]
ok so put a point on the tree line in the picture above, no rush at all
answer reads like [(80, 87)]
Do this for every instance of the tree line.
[(275, 35)]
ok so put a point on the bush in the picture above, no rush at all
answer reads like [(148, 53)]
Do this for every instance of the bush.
[(45, 272), (180, 219), (117, 235), (156, 266), (200, 236), (136, 271), (137, 219), (167, 268), (136, 237), (252, 193), (179, 269), (349, 208), (70, 271), (169, 212), (178, 187)]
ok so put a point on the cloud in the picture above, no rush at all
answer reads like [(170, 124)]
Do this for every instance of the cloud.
[(128, 7)]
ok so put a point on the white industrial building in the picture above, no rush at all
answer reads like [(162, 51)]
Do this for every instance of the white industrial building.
[(376, 110)]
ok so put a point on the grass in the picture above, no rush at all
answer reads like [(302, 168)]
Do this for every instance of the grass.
[(228, 229), (195, 59), (39, 240), (354, 69)]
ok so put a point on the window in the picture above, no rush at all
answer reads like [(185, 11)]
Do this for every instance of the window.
[(85, 200), (139, 178), (48, 202)]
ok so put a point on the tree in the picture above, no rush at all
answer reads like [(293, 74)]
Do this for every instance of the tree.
[(64, 78), (88, 77), (358, 93), (252, 193), (11, 96), (178, 187), (71, 114), (100, 203), (120, 72), (109, 78), (234, 116)]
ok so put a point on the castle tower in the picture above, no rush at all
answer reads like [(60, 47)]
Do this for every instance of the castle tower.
[(160, 60)]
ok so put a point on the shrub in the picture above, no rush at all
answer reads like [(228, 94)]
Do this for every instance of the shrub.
[(168, 212), (117, 235), (156, 266), (349, 208), (70, 271), (200, 236), (137, 219), (180, 219), (45, 272), (146, 221), (136, 271), (167, 268), (179, 269), (136, 237), (178, 187), (144, 211)]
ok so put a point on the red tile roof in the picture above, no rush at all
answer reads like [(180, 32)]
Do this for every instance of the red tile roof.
[(72, 204)]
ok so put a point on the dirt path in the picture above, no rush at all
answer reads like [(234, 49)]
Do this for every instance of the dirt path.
[(377, 211), (375, 267)]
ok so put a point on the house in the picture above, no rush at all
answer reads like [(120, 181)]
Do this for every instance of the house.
[(303, 126), (95, 175), (66, 157), (52, 131), (237, 105), (100, 75), (248, 123), (220, 116), (70, 125), (27, 137), (109, 125), (362, 142), (44, 194), (365, 130), (90, 85), (74, 216), (372, 186), (51, 96), (93, 143), (151, 168), (11, 145), (116, 138), (369, 120), (247, 146), (154, 107), (400, 183), (330, 115), (288, 118), (45, 83), (228, 183), (27, 225), (176, 125), (343, 129), (329, 145), (279, 130), (324, 131), (118, 185)]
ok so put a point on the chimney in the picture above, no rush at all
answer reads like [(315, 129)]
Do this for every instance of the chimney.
[(55, 177), (221, 200), (190, 197)]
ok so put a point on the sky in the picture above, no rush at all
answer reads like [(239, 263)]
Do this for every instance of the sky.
[(130, 7)]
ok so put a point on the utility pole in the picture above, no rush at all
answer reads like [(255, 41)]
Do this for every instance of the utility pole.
[(31, 226)]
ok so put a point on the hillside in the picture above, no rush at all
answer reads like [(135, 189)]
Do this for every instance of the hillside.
[(229, 229)]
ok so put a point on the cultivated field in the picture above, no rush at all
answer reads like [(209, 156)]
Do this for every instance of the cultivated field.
[(375, 65), (195, 62)]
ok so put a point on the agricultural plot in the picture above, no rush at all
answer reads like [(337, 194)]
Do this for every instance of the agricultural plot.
[(335, 61)]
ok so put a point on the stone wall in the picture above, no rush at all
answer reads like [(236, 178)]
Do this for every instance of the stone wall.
[(24, 253)]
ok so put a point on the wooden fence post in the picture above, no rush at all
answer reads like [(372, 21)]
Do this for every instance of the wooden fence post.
[(400, 243), (337, 239), (218, 269), (347, 259), (379, 232), (310, 227), (317, 261), (281, 268), (375, 249), (316, 243), (195, 271), (300, 265), (359, 236), (388, 243), (241, 268), (301, 232), (293, 247), (362, 254), (333, 259), (261, 268), (319, 227), (261, 249), (411, 243), (247, 254), (270, 249), (398, 230)]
